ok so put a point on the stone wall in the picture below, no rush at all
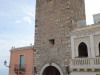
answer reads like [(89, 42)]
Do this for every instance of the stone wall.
[(54, 21)]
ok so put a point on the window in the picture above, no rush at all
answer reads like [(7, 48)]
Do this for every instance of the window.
[(82, 50), (52, 41), (21, 61)]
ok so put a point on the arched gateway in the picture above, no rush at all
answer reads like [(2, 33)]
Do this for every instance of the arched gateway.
[(51, 69)]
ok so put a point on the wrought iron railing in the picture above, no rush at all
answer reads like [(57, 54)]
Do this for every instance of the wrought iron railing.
[(19, 68)]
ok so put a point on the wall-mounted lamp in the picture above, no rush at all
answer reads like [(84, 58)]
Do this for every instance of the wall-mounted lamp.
[(5, 63), (68, 70), (35, 70)]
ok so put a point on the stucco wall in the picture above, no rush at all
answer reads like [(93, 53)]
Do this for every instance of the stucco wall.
[(90, 35), (15, 59)]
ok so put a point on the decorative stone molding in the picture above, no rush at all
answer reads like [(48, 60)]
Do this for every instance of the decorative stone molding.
[(51, 64)]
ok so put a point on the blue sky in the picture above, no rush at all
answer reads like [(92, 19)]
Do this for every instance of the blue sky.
[(17, 19), (16, 27)]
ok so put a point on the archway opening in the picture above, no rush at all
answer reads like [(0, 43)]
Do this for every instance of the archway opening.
[(82, 50), (51, 70)]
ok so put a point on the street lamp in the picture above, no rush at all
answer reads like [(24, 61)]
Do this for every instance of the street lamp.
[(68, 70), (5, 63)]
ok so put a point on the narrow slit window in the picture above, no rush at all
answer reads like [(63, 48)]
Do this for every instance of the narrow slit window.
[(52, 41)]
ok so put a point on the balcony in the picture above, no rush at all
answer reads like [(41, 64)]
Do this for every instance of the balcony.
[(19, 69), (85, 63)]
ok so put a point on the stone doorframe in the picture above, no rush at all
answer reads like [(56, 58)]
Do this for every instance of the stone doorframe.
[(51, 64)]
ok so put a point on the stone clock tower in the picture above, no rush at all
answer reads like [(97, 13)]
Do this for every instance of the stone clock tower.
[(54, 21)]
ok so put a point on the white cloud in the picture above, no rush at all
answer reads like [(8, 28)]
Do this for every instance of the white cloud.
[(31, 14), (18, 21), (27, 19)]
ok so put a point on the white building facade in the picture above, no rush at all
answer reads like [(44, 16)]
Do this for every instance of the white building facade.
[(85, 46)]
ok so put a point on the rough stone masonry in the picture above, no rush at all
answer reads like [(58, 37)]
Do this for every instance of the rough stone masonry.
[(54, 21)]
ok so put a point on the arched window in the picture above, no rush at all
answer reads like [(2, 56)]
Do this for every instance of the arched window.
[(82, 50), (99, 48)]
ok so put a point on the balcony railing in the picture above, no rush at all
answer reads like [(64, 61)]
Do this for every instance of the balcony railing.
[(19, 68), (93, 63)]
